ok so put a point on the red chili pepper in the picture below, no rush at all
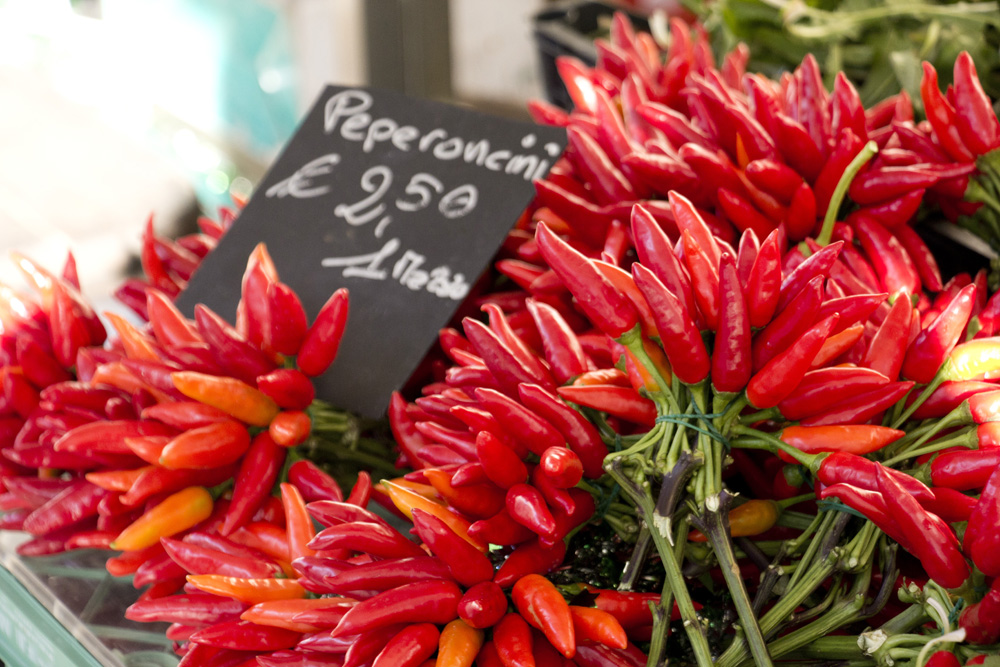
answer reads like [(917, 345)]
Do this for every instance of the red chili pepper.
[(746, 255), (501, 465), (964, 470), (581, 436), (704, 280), (869, 503), (824, 387), (257, 473), (527, 506), (313, 482), (241, 635), (779, 377), (942, 117), (731, 357), (789, 324), (287, 387), (197, 559), (841, 467), (862, 407), (513, 642), (409, 647), (477, 501), (483, 605), (429, 601), (607, 308), (607, 181), (977, 127), (981, 621), (562, 348), (108, 436), (935, 342), (561, 466), (923, 258), (590, 223), (657, 254), (931, 541), (529, 557), (189, 609), (951, 505), (500, 529), (229, 348), (322, 340), (287, 322), (887, 349), (524, 355), (680, 337), (764, 283), (623, 402), (74, 503), (466, 563), (290, 428)]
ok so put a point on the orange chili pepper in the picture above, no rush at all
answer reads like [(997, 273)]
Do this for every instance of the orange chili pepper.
[(149, 448), (857, 439), (250, 591), (603, 376), (599, 626), (459, 644), (406, 500), (298, 523), (115, 374), (837, 344), (209, 446), (290, 428), (173, 514), (232, 396), (281, 613), (137, 345), (751, 518), (640, 376), (115, 480), (542, 605)]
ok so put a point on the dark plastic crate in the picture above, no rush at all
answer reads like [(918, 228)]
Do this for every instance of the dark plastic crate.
[(569, 29)]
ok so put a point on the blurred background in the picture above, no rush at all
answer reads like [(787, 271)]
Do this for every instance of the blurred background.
[(115, 110)]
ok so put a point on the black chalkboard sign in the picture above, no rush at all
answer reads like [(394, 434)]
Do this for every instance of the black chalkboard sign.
[(402, 201)]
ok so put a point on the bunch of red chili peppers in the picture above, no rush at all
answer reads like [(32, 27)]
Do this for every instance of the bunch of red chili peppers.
[(714, 332)]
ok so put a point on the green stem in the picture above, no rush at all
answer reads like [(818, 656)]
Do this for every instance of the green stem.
[(866, 154), (672, 571), (714, 524), (924, 395), (966, 438)]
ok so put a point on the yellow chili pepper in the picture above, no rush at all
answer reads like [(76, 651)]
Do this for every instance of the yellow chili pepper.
[(232, 396), (174, 514), (972, 360), (751, 518)]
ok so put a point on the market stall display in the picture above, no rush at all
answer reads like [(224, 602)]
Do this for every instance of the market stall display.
[(721, 406)]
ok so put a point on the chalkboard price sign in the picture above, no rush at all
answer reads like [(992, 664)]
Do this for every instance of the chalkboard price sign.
[(401, 201)]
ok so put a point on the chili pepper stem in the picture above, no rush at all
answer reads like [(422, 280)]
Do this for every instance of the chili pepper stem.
[(826, 231), (713, 522), (844, 612), (917, 437), (759, 440), (673, 576), (968, 438), (632, 339), (924, 395), (760, 415)]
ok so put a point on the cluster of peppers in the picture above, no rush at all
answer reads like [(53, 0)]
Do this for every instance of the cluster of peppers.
[(693, 351), (689, 340)]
